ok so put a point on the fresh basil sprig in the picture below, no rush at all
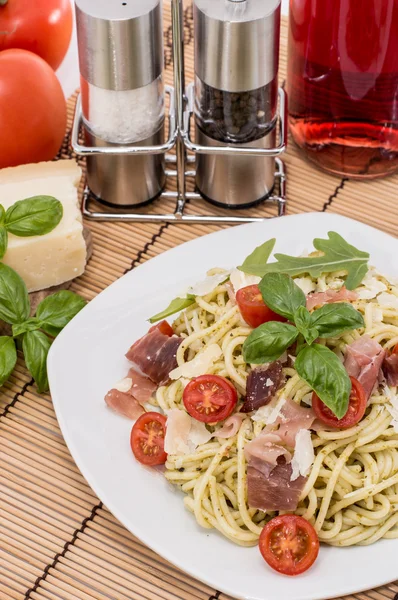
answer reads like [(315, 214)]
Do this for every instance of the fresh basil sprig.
[(37, 215), (337, 255), (52, 314), (316, 364), (175, 306)]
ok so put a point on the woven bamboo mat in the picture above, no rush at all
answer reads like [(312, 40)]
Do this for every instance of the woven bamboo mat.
[(57, 540)]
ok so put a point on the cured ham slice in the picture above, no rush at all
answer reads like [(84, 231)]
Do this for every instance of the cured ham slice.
[(318, 299), (262, 384), (363, 360), (267, 449), (154, 355), (293, 417), (142, 388), (124, 404), (390, 369), (270, 487), (230, 427)]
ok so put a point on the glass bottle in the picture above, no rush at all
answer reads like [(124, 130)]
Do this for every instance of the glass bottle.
[(343, 84)]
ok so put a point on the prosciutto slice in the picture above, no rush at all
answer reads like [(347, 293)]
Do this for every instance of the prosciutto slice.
[(270, 487), (124, 404), (154, 355), (293, 417), (363, 360), (390, 369), (142, 388), (318, 299), (262, 384), (266, 448), (230, 427)]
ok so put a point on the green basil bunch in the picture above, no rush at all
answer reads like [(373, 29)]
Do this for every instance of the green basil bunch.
[(37, 215), (32, 333), (315, 363)]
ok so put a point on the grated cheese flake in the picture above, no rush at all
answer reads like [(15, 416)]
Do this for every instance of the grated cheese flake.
[(199, 365), (304, 455)]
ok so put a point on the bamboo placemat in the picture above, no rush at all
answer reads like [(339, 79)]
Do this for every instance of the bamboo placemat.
[(57, 540)]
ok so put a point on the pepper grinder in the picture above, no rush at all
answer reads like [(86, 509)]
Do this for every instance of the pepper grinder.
[(236, 93), (121, 62)]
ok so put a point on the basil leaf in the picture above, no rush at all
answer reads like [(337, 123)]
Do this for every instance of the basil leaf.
[(8, 357), (2, 214), (338, 255), (302, 320), (324, 372), (3, 240), (254, 263), (175, 306), (29, 325), (14, 298), (281, 294), (35, 347), (58, 309), (333, 319), (34, 216), (268, 342)]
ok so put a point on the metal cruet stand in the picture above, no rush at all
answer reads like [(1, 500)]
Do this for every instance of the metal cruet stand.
[(181, 165)]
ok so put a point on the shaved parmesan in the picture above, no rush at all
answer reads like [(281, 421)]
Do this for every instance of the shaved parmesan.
[(305, 284), (304, 455), (208, 285), (387, 300), (270, 413), (124, 385), (184, 434), (198, 365), (393, 409), (239, 279), (370, 286)]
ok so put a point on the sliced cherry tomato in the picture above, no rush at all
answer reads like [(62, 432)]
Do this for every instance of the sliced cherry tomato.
[(210, 398), (163, 327), (147, 439), (395, 349), (289, 544), (253, 308), (355, 412)]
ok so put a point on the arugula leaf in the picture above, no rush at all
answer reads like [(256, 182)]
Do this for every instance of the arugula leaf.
[(3, 241), (175, 306), (326, 375), (29, 325), (281, 294), (333, 319), (268, 342), (254, 263), (338, 255), (34, 216), (55, 311), (35, 347), (14, 298), (8, 357), (303, 322)]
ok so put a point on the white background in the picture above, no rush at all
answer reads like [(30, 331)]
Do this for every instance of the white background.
[(68, 72)]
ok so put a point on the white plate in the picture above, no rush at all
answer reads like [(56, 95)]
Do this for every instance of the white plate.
[(88, 358)]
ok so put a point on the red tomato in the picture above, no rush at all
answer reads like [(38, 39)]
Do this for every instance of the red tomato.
[(163, 327), (395, 350), (289, 544), (253, 308), (147, 439), (40, 26), (210, 398), (355, 412), (32, 109)]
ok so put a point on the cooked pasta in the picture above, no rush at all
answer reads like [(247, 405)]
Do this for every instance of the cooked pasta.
[(351, 493)]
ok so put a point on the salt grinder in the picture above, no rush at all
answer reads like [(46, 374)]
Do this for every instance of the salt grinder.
[(236, 93), (121, 72)]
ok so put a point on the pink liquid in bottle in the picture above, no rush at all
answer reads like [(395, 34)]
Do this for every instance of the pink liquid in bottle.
[(343, 84)]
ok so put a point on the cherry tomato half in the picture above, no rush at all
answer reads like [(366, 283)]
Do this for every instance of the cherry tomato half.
[(355, 412), (210, 398), (163, 327), (253, 308), (395, 349), (289, 544), (147, 439)]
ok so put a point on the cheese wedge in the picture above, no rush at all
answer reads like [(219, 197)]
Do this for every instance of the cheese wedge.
[(58, 256)]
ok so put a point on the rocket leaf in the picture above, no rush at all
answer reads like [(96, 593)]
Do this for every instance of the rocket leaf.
[(254, 264), (338, 255)]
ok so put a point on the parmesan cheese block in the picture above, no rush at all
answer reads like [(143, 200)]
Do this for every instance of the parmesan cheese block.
[(58, 256)]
